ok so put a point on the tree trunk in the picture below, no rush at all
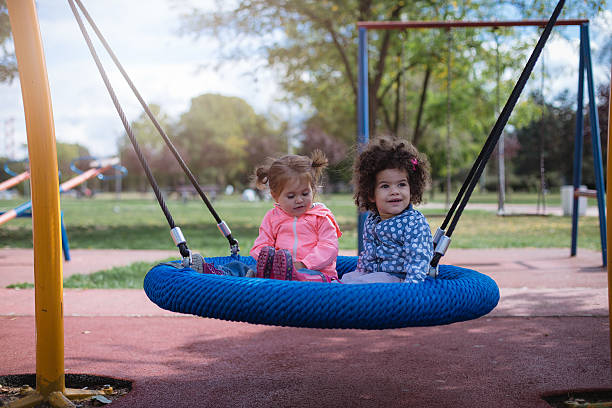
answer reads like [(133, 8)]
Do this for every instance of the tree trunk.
[(418, 131)]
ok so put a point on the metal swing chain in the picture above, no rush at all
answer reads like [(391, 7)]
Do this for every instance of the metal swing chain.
[(442, 238)]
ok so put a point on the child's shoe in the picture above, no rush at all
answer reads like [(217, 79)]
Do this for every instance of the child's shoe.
[(264, 262), (209, 268), (283, 265), (199, 265)]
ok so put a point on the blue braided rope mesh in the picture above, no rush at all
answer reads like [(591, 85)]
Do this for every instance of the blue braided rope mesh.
[(457, 294)]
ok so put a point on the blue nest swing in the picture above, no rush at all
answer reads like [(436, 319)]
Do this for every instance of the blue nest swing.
[(457, 294)]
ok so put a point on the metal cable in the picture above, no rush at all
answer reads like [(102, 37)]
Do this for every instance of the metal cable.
[(221, 225), (160, 130), (183, 248)]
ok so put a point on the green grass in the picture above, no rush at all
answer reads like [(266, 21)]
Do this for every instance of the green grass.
[(120, 277), (138, 223), (123, 277)]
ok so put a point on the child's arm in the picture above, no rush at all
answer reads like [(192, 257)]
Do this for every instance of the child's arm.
[(326, 251), (266, 236), (418, 247), (366, 257)]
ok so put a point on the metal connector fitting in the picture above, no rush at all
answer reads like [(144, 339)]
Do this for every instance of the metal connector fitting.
[(235, 248), (187, 260), (439, 234), (224, 229), (177, 236), (443, 244), (433, 271)]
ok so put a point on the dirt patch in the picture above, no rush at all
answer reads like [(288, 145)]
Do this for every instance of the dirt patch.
[(580, 399), (12, 386)]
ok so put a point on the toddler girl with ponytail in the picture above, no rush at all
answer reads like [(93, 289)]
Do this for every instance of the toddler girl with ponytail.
[(298, 238)]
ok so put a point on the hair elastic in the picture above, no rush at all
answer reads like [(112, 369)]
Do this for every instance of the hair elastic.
[(414, 162)]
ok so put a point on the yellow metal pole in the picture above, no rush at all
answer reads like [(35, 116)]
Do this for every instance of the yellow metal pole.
[(609, 211), (45, 197)]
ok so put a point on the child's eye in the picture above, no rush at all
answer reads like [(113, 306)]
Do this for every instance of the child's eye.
[(290, 196), (306, 193), (384, 186), (403, 184)]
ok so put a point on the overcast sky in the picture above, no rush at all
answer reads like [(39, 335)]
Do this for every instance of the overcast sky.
[(164, 67)]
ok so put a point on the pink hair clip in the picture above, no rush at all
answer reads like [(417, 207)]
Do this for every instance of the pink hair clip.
[(414, 162)]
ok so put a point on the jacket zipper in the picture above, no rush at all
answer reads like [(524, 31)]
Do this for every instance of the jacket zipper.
[(295, 239)]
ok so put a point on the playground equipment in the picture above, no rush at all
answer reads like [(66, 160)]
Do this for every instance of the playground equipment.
[(457, 294), (24, 210), (50, 380), (97, 170), (94, 162), (585, 66), (608, 203), (15, 178)]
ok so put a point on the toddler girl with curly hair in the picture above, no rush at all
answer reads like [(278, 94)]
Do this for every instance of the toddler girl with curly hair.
[(390, 176)]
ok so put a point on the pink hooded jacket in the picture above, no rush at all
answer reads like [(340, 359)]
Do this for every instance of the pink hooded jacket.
[(312, 237)]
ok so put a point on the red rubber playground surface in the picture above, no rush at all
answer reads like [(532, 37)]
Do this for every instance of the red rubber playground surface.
[(549, 334)]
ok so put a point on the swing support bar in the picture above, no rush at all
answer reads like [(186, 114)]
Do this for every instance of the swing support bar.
[(50, 378), (585, 67)]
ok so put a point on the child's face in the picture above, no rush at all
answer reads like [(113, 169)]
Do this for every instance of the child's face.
[(296, 197), (391, 193)]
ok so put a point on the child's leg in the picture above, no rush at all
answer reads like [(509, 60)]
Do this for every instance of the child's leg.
[(374, 277), (233, 268), (236, 268), (308, 275)]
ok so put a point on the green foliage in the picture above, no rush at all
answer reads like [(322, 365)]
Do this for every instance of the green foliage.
[(547, 140), (8, 63), (22, 285), (66, 153), (123, 277), (313, 45), (226, 139), (220, 138), (159, 158)]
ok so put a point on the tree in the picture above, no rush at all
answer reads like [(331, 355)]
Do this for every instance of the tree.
[(66, 153), (8, 62), (340, 165), (553, 134), (313, 47), (225, 139), (166, 170), (220, 138)]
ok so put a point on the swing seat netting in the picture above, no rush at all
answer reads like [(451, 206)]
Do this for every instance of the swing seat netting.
[(457, 294)]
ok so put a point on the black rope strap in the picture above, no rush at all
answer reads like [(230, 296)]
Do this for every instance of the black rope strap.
[(442, 237), (220, 223)]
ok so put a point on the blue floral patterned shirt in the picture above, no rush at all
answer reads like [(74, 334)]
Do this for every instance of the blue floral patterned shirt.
[(401, 246)]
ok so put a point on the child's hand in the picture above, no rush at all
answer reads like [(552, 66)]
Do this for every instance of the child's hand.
[(298, 265)]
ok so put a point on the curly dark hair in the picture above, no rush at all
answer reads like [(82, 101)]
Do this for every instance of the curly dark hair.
[(382, 153)]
